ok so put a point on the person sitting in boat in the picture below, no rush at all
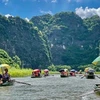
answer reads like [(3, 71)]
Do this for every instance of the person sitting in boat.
[(73, 72), (1, 79), (46, 72), (36, 73), (6, 76)]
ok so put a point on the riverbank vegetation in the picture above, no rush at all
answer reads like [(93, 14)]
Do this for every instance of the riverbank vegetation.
[(20, 72), (27, 72), (16, 69), (24, 72), (58, 67)]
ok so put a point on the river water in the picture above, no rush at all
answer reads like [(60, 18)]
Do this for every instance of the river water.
[(51, 88)]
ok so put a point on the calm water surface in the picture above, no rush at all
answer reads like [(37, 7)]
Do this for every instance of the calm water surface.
[(50, 88)]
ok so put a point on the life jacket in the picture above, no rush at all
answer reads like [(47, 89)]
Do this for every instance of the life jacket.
[(0, 76), (6, 76)]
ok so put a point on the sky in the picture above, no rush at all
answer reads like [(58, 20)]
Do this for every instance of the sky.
[(29, 8)]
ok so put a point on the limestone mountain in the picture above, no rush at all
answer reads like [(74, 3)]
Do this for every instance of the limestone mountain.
[(60, 39), (21, 38), (70, 38)]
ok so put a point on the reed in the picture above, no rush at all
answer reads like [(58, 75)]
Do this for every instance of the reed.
[(50, 72), (20, 72), (97, 72), (53, 72), (26, 72)]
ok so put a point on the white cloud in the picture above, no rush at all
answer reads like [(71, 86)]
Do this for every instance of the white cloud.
[(27, 19), (5, 1), (46, 12), (8, 15), (87, 12), (53, 1)]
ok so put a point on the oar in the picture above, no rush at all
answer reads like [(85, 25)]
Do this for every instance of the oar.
[(22, 82), (82, 77), (87, 93), (97, 76), (48, 75)]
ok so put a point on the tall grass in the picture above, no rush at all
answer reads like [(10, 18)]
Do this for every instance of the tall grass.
[(97, 72), (20, 72), (54, 72), (25, 72)]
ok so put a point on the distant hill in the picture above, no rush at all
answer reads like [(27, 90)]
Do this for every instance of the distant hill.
[(61, 39)]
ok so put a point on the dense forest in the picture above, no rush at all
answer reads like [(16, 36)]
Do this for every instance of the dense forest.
[(60, 39)]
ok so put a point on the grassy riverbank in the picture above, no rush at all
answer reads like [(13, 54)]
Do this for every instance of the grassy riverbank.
[(25, 72), (97, 72), (20, 72), (54, 72)]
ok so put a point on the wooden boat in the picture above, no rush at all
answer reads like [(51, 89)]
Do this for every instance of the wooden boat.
[(46, 75), (10, 83), (36, 76), (63, 75), (90, 75), (72, 72), (97, 89), (36, 73), (46, 72)]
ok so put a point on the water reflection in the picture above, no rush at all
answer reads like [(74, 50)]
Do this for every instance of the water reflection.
[(50, 88)]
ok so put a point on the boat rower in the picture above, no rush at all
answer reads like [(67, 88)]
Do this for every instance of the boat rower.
[(1, 79), (6, 76)]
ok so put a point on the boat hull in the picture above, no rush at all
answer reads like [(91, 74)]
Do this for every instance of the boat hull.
[(63, 76), (90, 77), (97, 89), (8, 83), (36, 76)]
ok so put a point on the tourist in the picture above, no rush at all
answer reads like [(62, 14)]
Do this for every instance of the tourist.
[(6, 76)]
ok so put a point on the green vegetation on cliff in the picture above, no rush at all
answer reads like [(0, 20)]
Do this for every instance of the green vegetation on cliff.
[(6, 59), (70, 39), (19, 37), (61, 39)]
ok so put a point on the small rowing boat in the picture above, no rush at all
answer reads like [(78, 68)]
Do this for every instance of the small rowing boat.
[(36, 76), (36, 73), (10, 83), (63, 75), (63, 72)]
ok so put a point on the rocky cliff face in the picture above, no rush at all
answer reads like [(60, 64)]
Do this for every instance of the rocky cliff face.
[(21, 38), (71, 42), (63, 38)]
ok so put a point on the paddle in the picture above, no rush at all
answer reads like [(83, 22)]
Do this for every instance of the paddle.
[(82, 77), (97, 76), (22, 82), (87, 93), (48, 75)]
